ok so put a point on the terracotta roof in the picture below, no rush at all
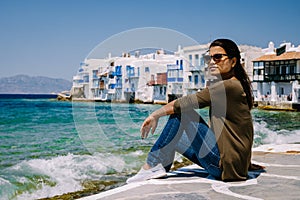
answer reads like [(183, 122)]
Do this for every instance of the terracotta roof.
[(284, 56)]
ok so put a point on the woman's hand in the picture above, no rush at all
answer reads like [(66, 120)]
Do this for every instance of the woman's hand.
[(150, 123)]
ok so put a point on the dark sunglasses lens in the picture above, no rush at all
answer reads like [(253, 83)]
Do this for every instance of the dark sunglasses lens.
[(217, 56)]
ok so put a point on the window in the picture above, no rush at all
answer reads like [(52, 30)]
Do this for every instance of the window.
[(267, 68), (277, 69), (202, 61), (95, 83), (152, 77), (95, 72), (180, 73), (119, 83), (191, 60), (169, 74), (172, 73), (197, 63), (281, 90), (196, 80), (181, 64), (86, 79), (118, 70), (292, 69), (283, 69), (130, 70), (261, 72), (272, 69), (147, 69), (190, 78)]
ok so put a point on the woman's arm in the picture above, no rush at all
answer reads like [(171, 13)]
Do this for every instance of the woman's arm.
[(151, 121)]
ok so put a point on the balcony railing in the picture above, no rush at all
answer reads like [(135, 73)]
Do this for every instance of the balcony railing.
[(129, 89), (173, 67), (111, 91), (282, 77), (192, 86), (277, 77), (132, 75), (118, 86), (112, 81), (175, 79), (258, 77), (77, 78)]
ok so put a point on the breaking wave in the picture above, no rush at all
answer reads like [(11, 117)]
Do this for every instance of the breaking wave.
[(62, 174), (264, 135)]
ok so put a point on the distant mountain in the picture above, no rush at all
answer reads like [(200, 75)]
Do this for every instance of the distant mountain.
[(23, 84)]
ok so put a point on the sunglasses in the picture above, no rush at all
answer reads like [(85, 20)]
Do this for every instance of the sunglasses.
[(217, 57)]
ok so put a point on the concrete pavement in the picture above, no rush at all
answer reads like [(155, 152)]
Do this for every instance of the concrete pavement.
[(281, 180)]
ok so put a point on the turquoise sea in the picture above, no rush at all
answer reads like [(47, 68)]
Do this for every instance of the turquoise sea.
[(49, 147)]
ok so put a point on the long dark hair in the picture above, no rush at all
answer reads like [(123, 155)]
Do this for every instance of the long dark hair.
[(232, 51)]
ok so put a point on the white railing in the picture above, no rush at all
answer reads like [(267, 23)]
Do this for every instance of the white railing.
[(111, 91), (112, 81), (258, 77)]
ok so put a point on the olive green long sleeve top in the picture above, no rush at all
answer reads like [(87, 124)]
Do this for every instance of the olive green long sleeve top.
[(230, 120)]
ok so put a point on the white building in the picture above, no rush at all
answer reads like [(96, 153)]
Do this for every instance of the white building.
[(156, 78), (124, 79), (277, 74), (152, 78), (85, 84), (248, 54), (194, 68)]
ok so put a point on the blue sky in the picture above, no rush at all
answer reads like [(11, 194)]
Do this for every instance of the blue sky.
[(51, 37)]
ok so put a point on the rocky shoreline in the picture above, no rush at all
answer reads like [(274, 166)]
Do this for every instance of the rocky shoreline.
[(108, 182)]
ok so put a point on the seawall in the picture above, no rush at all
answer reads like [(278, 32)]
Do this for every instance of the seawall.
[(274, 105)]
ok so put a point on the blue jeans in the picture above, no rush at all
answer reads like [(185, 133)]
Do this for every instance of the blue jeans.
[(188, 134)]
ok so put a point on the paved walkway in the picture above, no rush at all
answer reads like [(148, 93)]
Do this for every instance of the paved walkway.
[(280, 181)]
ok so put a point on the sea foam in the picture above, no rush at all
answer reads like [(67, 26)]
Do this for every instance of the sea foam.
[(264, 135), (63, 174)]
